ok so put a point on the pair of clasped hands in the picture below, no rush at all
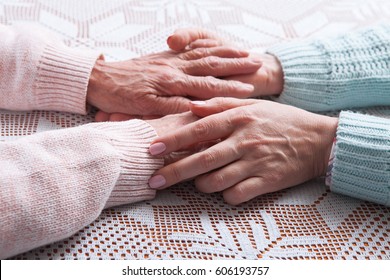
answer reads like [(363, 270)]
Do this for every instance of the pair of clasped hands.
[(197, 98)]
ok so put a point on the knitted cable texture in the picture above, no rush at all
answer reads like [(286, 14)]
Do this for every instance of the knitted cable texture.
[(337, 73)]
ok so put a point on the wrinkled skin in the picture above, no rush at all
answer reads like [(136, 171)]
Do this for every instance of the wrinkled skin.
[(164, 83), (267, 80)]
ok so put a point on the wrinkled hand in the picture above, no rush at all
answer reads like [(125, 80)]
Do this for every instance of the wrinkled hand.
[(265, 147), (267, 80), (163, 83)]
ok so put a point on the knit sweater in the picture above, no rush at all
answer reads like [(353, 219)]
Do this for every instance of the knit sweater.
[(52, 184), (340, 73)]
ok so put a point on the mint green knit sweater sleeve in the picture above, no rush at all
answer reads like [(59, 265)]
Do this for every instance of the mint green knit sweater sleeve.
[(343, 72), (362, 158)]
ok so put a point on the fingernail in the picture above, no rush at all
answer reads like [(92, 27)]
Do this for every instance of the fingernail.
[(256, 60), (198, 103), (157, 181), (157, 148), (247, 87)]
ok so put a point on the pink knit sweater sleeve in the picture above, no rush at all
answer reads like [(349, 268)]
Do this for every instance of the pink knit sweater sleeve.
[(54, 183), (38, 72)]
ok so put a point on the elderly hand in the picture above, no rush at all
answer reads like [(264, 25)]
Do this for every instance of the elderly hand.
[(163, 83), (267, 80), (264, 147)]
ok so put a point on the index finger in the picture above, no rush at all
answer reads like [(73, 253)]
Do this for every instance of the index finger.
[(207, 129)]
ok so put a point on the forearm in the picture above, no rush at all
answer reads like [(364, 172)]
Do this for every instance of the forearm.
[(38, 72), (343, 72), (55, 183), (361, 166)]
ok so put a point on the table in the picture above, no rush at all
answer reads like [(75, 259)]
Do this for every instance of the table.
[(303, 222)]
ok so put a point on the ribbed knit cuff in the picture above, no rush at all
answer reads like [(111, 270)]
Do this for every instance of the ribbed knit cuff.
[(361, 167), (337, 73), (306, 72), (62, 79), (132, 140)]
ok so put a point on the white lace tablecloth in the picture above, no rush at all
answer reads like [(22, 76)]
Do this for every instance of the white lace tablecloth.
[(304, 222)]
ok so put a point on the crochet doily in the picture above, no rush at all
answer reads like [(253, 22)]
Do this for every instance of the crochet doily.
[(303, 222)]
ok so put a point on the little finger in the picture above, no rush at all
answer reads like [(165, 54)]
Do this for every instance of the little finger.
[(247, 190), (223, 178), (189, 167)]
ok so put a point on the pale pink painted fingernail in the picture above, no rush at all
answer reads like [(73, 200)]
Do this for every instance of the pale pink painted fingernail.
[(157, 148), (198, 103), (157, 181)]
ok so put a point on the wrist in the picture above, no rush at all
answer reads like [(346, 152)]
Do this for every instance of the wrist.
[(327, 137), (96, 87), (276, 80), (269, 79)]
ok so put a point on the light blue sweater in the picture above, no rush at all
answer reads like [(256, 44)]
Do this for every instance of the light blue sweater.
[(342, 73)]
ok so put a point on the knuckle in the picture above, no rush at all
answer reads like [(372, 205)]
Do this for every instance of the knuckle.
[(165, 77), (212, 62), (145, 103), (176, 173), (181, 83), (240, 62), (241, 145), (208, 160), (212, 83), (175, 141), (201, 52), (185, 56), (240, 193), (202, 130), (243, 117), (248, 143), (218, 182), (274, 177)]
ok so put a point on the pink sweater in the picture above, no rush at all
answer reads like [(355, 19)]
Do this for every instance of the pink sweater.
[(52, 184)]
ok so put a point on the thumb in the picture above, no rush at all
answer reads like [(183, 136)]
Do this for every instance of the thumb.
[(218, 105)]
